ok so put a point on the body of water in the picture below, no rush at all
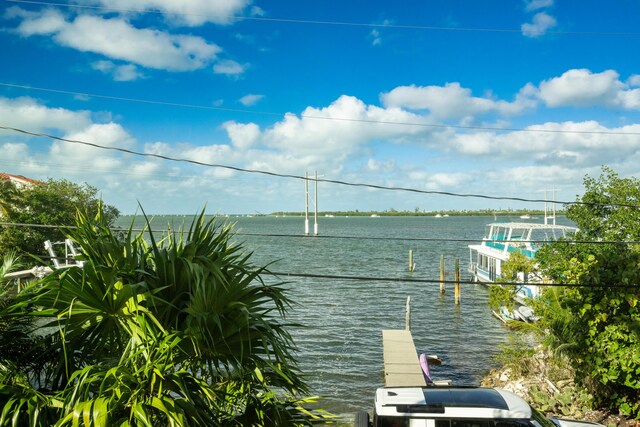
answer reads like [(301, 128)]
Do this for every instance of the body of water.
[(340, 345)]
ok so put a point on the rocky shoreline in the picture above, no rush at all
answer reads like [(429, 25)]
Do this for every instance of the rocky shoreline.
[(560, 398)]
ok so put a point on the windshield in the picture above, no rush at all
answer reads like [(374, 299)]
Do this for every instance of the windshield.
[(539, 419)]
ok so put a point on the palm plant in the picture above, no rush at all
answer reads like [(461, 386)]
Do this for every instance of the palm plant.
[(178, 331)]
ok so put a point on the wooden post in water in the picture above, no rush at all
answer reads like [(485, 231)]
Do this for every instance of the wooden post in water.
[(410, 260), (442, 274), (457, 282), (407, 320)]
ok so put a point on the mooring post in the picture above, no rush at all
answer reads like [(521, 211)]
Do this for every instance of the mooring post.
[(407, 320), (411, 260), (457, 282), (442, 274)]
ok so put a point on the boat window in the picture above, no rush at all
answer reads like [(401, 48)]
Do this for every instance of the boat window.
[(470, 422), (392, 422)]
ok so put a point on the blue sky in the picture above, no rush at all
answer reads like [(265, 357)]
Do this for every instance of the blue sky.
[(421, 94)]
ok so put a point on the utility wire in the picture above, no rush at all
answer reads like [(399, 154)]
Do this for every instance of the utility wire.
[(434, 281), (321, 22), (303, 178), (403, 279), (313, 117)]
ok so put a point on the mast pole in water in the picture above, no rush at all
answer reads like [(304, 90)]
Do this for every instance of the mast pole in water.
[(315, 218), (306, 203)]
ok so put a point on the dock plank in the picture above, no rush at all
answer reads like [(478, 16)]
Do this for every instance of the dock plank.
[(401, 365)]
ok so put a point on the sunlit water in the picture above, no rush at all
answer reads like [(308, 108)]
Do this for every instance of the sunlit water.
[(340, 345)]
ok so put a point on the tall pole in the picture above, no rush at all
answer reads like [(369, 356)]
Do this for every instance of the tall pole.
[(456, 286), (442, 274), (315, 218), (553, 195), (545, 206), (306, 203)]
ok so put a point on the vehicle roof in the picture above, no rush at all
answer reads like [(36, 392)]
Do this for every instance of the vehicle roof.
[(456, 402)]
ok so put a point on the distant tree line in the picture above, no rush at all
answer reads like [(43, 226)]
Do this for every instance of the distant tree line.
[(417, 212)]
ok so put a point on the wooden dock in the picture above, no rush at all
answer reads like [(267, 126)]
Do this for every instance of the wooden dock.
[(401, 365)]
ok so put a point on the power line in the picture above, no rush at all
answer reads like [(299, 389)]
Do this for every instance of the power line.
[(406, 279), (313, 117), (324, 22), (144, 101), (303, 178), (434, 281)]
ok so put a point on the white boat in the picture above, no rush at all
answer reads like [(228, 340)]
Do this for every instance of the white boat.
[(503, 238), (525, 216)]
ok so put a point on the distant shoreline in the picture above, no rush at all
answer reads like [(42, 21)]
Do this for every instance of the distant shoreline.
[(413, 213), (388, 213)]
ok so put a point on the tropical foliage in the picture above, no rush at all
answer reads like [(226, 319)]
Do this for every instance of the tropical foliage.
[(517, 269), (180, 331), (597, 323), (54, 202)]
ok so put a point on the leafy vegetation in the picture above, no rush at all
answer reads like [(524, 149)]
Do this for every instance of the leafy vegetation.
[(54, 202), (517, 269), (181, 331), (597, 325)]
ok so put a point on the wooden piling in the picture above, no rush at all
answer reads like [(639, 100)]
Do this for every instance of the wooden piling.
[(442, 274), (407, 319), (410, 260), (457, 282)]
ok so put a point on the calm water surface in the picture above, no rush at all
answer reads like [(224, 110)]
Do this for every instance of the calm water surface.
[(340, 345)]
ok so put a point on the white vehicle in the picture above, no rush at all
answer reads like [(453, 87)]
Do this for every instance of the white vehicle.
[(455, 407)]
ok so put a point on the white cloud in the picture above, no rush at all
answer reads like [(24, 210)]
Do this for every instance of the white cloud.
[(188, 12), (337, 130), (531, 5), (582, 88), (376, 40), (28, 114), (229, 67), (118, 39), (148, 168), (444, 181), (634, 80), (577, 144), (207, 153), (250, 99), (120, 73), (453, 101), (37, 23), (539, 26), (14, 151), (320, 138), (108, 134), (374, 165), (215, 153), (242, 135)]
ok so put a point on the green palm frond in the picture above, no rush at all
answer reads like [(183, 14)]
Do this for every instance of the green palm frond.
[(177, 330)]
